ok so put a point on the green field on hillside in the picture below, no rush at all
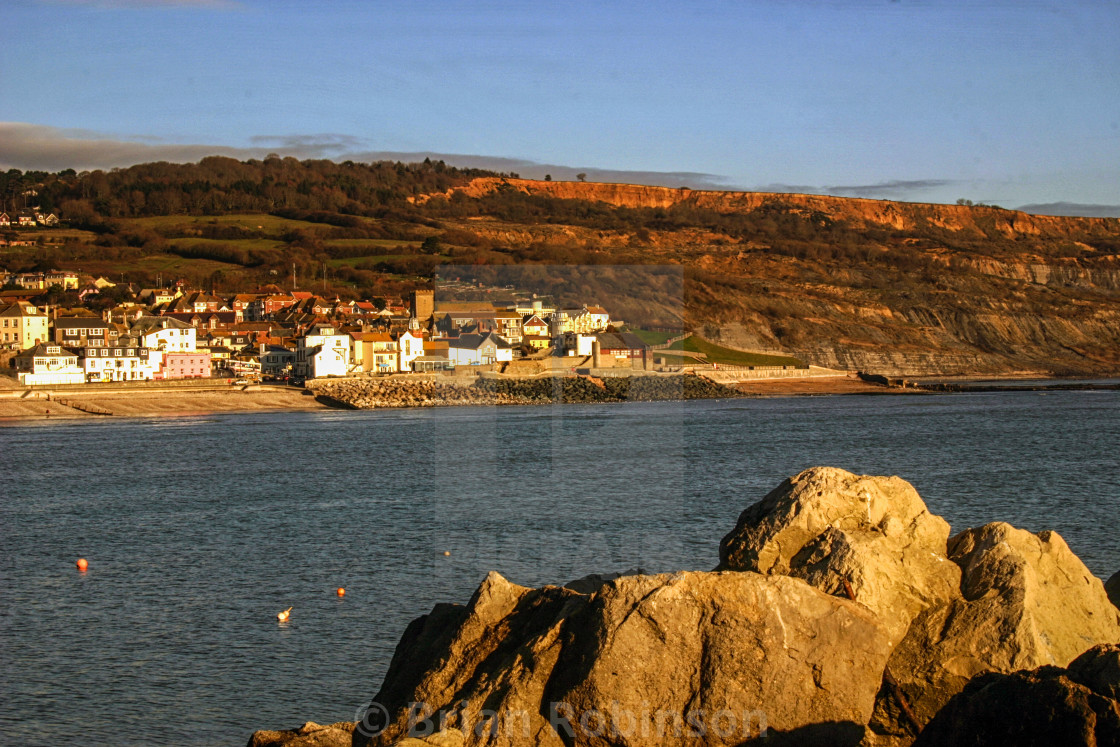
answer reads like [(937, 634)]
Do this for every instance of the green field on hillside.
[(249, 221), (677, 359), (366, 259), (729, 356), (165, 263), (373, 243), (55, 235), (246, 244), (650, 337)]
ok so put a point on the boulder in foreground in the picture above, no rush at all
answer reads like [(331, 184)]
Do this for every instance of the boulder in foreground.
[(868, 537), (310, 734), (1041, 707), (1025, 601), (640, 660), (842, 612)]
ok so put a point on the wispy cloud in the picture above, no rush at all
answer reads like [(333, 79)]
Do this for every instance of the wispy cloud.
[(326, 144), (31, 146), (534, 170), (1076, 209), (895, 189)]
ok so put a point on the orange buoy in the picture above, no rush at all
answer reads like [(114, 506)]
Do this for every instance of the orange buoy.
[(82, 564), (283, 616), (341, 592), (446, 553)]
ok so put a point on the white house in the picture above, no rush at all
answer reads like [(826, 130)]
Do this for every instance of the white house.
[(165, 334), (597, 319), (410, 346), (478, 350), (584, 320), (322, 352), (128, 363), (576, 344), (48, 364)]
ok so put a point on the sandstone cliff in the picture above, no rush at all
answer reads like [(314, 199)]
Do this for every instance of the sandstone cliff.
[(842, 613), (857, 211), (888, 287)]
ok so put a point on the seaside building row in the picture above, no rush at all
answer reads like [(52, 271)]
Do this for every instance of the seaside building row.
[(177, 333)]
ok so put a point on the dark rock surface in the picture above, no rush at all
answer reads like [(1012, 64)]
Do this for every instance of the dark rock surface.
[(1112, 588), (1045, 706)]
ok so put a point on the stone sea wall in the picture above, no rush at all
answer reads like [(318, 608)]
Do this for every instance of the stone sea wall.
[(368, 393)]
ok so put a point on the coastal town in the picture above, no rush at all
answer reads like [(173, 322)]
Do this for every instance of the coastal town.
[(292, 336)]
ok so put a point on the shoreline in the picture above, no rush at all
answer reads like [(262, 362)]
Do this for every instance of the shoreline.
[(107, 405), (137, 403)]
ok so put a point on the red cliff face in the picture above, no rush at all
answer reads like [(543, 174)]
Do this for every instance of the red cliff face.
[(856, 212), (957, 290)]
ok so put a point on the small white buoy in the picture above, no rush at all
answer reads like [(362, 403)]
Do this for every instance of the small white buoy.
[(283, 616)]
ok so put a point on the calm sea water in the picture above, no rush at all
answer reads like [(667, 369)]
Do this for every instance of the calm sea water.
[(199, 530)]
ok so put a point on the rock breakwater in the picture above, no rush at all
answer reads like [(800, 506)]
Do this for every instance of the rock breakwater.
[(410, 392), (842, 613)]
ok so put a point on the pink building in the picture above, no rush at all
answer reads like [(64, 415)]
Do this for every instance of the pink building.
[(193, 365)]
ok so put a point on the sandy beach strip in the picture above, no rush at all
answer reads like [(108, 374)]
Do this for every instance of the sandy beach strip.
[(141, 403), (146, 404), (816, 385)]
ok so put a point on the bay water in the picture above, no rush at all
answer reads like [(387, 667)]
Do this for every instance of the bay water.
[(198, 530)]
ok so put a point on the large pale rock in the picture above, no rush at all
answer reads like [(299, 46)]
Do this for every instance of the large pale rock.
[(771, 638), (733, 652), (310, 734), (1027, 601), (480, 668), (829, 526), (445, 738), (633, 662), (1036, 577)]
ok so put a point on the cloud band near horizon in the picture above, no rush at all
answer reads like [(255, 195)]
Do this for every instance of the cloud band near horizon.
[(28, 146)]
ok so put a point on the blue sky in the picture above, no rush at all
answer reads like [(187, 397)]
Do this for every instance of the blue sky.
[(1015, 103)]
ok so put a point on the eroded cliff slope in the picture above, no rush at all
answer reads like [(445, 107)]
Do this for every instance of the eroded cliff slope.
[(895, 288)]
